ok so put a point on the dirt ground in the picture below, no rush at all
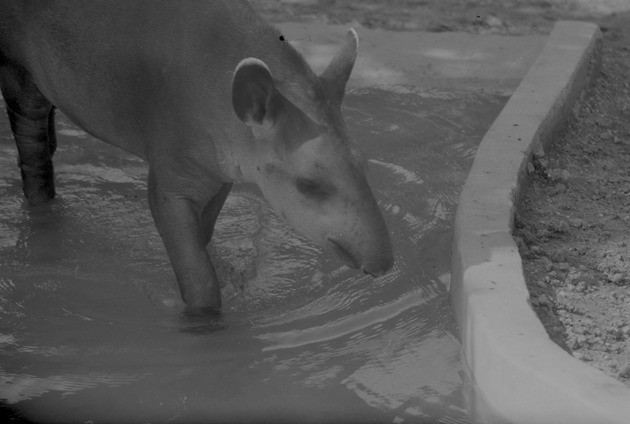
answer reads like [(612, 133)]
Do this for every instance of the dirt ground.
[(573, 221)]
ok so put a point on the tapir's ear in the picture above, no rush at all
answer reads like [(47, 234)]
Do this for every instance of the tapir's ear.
[(256, 101), (338, 71), (252, 91)]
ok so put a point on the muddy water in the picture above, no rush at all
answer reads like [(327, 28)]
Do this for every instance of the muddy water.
[(91, 328)]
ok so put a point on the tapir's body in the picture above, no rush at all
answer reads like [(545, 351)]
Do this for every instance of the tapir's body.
[(208, 94)]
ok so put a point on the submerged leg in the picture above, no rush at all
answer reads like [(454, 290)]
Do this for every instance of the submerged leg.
[(31, 115), (185, 227)]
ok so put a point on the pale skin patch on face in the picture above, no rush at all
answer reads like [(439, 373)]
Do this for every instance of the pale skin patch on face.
[(316, 187)]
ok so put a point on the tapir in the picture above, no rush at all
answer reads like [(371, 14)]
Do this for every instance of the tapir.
[(208, 94)]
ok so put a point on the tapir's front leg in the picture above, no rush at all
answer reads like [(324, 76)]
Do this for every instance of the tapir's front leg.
[(186, 224), (213, 208)]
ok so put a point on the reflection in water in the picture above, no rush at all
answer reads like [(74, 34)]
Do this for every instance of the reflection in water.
[(18, 387), (89, 306)]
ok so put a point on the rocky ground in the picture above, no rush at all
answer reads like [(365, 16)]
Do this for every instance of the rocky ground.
[(510, 17), (573, 221)]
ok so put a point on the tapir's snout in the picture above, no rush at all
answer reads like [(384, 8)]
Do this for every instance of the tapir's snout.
[(376, 262), (380, 266), (380, 269)]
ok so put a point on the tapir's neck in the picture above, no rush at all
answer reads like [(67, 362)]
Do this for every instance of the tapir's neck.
[(230, 42)]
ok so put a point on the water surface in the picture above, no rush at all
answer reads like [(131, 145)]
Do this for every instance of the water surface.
[(91, 324)]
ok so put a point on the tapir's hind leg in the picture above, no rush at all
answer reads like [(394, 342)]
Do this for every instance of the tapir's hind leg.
[(32, 121), (52, 134)]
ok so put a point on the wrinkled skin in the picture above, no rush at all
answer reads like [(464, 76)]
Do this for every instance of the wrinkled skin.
[(209, 95)]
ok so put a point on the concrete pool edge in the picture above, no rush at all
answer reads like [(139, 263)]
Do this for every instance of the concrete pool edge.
[(518, 372)]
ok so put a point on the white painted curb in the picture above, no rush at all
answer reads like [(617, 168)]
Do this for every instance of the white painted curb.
[(518, 372)]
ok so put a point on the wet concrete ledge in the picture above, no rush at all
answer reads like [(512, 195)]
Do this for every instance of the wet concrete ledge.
[(520, 375)]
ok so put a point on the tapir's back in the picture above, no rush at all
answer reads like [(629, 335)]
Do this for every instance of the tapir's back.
[(129, 71)]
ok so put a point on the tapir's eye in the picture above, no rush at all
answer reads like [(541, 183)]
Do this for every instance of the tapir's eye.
[(312, 188)]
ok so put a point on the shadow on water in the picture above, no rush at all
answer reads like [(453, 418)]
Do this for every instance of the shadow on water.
[(91, 323)]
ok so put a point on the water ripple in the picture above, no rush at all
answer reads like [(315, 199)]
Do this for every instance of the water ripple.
[(343, 327)]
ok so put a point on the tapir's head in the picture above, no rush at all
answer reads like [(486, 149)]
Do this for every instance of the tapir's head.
[(306, 165)]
